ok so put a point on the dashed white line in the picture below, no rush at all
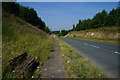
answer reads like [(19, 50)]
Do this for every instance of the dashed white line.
[(85, 43), (99, 47), (117, 52), (96, 46), (92, 45)]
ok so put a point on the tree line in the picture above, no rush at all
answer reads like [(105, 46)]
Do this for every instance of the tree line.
[(26, 13), (101, 19)]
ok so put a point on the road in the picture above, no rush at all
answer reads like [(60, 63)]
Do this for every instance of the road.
[(104, 56)]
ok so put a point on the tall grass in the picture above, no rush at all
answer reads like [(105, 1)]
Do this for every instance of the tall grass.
[(19, 37)]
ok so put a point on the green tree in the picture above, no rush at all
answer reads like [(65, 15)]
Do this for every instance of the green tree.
[(73, 27), (47, 30), (103, 18), (11, 7), (63, 33), (25, 13)]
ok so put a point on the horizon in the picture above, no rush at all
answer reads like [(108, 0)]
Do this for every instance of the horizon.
[(62, 15)]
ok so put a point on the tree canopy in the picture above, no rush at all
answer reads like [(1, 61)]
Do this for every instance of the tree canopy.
[(101, 19), (26, 13)]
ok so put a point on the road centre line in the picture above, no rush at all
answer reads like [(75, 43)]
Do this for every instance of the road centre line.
[(117, 52), (92, 45), (99, 47), (85, 43)]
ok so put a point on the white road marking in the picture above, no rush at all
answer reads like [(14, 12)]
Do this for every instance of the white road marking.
[(117, 52), (96, 46), (85, 43), (92, 45)]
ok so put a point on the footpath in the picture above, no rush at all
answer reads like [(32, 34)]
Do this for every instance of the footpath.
[(54, 68)]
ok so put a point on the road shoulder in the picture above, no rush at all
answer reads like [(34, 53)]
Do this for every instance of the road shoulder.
[(54, 67)]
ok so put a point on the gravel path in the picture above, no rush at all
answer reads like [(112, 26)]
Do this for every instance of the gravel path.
[(54, 67)]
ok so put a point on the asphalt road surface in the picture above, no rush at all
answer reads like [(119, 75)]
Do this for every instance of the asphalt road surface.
[(104, 56)]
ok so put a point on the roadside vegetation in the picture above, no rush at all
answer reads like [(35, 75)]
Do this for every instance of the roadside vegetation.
[(77, 66), (100, 20), (24, 32), (105, 35), (28, 14), (103, 27), (19, 37)]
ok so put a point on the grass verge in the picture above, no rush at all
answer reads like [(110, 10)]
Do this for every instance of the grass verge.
[(108, 41), (77, 66), (108, 35), (19, 37)]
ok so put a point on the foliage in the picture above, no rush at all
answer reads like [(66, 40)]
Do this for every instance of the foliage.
[(47, 30), (11, 7), (25, 13), (101, 19), (55, 32), (63, 33)]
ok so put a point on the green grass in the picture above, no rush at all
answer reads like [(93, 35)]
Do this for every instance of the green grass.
[(77, 66), (19, 37), (102, 40), (112, 29), (104, 35)]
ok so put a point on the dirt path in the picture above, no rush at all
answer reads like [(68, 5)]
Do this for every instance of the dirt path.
[(54, 67)]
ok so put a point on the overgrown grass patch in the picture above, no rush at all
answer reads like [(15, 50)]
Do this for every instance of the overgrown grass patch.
[(19, 37), (77, 66)]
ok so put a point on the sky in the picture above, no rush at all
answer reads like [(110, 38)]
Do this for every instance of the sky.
[(65, 0), (62, 15)]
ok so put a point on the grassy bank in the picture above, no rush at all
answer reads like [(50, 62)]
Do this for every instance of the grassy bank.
[(108, 41), (19, 37), (77, 66), (109, 35)]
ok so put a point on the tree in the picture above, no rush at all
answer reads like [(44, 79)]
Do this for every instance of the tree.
[(103, 17), (63, 33), (99, 20), (26, 13), (115, 17), (47, 30), (11, 7), (80, 22), (73, 27), (118, 5)]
